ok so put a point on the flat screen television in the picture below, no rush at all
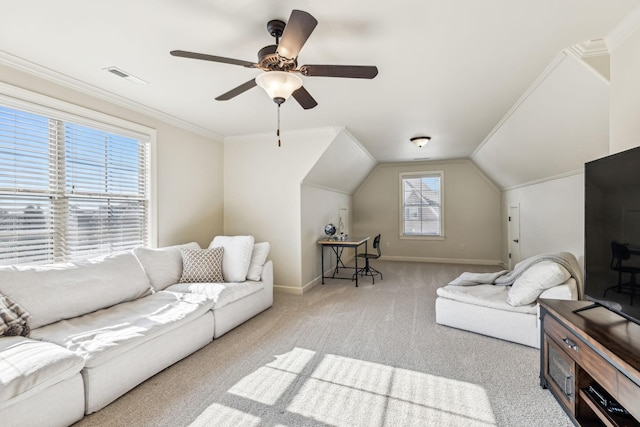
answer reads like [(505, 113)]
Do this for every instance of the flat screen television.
[(612, 214)]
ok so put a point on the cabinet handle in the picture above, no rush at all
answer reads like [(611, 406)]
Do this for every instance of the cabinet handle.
[(570, 344), (568, 386)]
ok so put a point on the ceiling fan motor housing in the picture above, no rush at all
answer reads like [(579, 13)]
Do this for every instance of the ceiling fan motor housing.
[(268, 59)]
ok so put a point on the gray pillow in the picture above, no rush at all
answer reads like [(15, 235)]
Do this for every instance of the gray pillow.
[(202, 265)]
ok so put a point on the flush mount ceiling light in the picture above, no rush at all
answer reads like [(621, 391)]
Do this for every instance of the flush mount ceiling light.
[(421, 141)]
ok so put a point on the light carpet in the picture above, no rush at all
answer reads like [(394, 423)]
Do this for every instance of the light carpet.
[(345, 356)]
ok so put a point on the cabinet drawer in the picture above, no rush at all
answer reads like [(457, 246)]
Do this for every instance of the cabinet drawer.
[(560, 372), (598, 368)]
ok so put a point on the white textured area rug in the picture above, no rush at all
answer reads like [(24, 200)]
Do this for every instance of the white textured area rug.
[(346, 356)]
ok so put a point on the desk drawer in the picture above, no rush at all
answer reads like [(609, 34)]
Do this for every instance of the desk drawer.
[(598, 368)]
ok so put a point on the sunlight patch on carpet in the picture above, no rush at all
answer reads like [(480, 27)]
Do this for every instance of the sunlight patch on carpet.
[(343, 391), (270, 382), (220, 416)]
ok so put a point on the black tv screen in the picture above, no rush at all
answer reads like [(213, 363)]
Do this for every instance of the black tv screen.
[(612, 214)]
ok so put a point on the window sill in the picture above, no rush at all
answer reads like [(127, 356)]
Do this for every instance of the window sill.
[(405, 237)]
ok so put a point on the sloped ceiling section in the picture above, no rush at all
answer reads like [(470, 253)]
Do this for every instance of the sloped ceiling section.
[(558, 125), (343, 165)]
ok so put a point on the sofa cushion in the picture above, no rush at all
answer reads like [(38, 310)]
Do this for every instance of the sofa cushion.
[(534, 280), (27, 365), (491, 296), (163, 265), (108, 333), (50, 293), (237, 256), (220, 293), (258, 258), (201, 265)]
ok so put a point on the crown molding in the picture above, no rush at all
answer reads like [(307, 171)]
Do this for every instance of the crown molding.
[(590, 48), (629, 25), (543, 180), (87, 89)]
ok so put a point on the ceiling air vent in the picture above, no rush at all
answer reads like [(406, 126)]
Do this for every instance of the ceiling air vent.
[(129, 77)]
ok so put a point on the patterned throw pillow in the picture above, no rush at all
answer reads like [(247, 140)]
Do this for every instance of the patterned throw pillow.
[(201, 265), (13, 318)]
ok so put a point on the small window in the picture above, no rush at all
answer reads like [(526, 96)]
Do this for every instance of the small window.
[(421, 211)]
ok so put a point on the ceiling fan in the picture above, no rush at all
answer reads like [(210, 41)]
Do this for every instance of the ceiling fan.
[(280, 65)]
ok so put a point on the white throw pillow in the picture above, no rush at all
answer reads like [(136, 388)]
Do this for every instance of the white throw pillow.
[(237, 256), (540, 276), (202, 265), (163, 265), (258, 258)]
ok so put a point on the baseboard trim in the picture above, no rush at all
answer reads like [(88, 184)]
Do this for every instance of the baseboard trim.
[(294, 290), (443, 260)]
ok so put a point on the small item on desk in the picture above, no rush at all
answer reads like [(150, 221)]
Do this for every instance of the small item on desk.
[(330, 230), (343, 237)]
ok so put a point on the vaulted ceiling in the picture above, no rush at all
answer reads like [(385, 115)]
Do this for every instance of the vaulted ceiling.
[(447, 69)]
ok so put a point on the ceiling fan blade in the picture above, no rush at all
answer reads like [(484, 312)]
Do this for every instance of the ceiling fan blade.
[(237, 91), (296, 32), (304, 98), (349, 71), (205, 57)]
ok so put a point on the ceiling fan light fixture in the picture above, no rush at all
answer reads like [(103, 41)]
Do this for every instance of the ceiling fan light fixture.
[(279, 85), (421, 141)]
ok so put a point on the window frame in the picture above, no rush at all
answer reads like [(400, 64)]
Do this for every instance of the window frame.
[(55, 109), (401, 220)]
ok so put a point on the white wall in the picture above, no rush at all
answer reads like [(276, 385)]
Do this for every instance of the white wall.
[(262, 194), (551, 216), (320, 207), (537, 152), (190, 187), (343, 166), (557, 125), (552, 212), (471, 206), (189, 165), (625, 84)]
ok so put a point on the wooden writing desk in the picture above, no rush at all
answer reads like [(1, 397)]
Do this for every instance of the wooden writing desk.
[(338, 246)]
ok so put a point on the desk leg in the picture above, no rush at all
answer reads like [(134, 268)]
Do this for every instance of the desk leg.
[(336, 250), (322, 262), (356, 256)]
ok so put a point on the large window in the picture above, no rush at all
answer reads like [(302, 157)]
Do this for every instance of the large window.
[(421, 210), (69, 188)]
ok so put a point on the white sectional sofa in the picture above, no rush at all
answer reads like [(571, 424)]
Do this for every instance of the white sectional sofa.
[(503, 304), (100, 327)]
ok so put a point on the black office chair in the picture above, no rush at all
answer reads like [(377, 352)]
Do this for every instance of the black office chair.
[(620, 253), (367, 270)]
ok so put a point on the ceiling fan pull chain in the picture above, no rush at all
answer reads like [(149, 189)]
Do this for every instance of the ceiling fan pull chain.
[(278, 131)]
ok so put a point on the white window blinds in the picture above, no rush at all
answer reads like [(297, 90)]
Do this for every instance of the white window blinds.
[(421, 204), (69, 190)]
